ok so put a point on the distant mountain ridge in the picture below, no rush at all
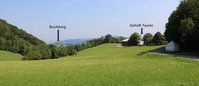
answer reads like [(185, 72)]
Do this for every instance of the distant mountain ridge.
[(78, 41), (74, 41)]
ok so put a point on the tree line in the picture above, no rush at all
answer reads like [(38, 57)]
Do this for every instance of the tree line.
[(53, 51), (148, 38), (16, 40)]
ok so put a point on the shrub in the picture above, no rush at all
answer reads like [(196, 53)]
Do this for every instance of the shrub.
[(158, 39), (134, 39), (148, 37), (32, 55)]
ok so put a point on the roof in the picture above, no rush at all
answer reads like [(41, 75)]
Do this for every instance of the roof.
[(125, 40), (141, 42), (172, 44)]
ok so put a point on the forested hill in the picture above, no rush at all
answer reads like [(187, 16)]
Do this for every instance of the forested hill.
[(16, 40)]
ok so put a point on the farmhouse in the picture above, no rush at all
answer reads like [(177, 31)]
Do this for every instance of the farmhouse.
[(125, 42), (172, 47)]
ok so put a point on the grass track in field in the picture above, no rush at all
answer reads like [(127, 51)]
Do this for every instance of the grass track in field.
[(104, 65)]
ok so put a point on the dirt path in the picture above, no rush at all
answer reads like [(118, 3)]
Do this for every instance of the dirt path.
[(119, 45), (159, 51), (185, 56)]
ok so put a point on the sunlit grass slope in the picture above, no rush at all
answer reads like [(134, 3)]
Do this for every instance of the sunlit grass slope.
[(104, 65), (8, 56)]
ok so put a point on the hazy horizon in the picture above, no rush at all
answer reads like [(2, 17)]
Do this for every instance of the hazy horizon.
[(86, 19)]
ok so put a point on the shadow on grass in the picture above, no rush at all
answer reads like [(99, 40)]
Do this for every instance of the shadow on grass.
[(158, 50), (161, 51)]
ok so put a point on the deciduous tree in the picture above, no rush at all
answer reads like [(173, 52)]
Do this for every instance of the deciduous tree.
[(134, 39)]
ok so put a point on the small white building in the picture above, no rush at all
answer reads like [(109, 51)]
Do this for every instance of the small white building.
[(141, 43), (125, 42), (172, 47)]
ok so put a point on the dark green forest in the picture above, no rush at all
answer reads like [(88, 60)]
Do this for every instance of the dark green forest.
[(183, 26), (16, 40)]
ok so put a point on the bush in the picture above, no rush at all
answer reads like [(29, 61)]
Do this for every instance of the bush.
[(148, 37), (54, 51), (158, 39), (32, 55), (134, 39), (108, 38), (44, 50), (72, 52), (62, 51)]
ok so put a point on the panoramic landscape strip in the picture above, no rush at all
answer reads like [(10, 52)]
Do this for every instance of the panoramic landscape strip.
[(103, 57)]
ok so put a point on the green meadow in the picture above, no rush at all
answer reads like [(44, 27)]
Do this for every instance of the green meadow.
[(104, 65), (8, 56)]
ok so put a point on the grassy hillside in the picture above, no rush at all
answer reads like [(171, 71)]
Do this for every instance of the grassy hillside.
[(8, 56), (105, 65)]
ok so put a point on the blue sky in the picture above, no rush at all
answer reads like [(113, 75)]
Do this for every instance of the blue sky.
[(86, 18)]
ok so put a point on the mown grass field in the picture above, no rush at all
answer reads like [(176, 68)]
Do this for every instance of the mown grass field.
[(104, 65), (8, 56)]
